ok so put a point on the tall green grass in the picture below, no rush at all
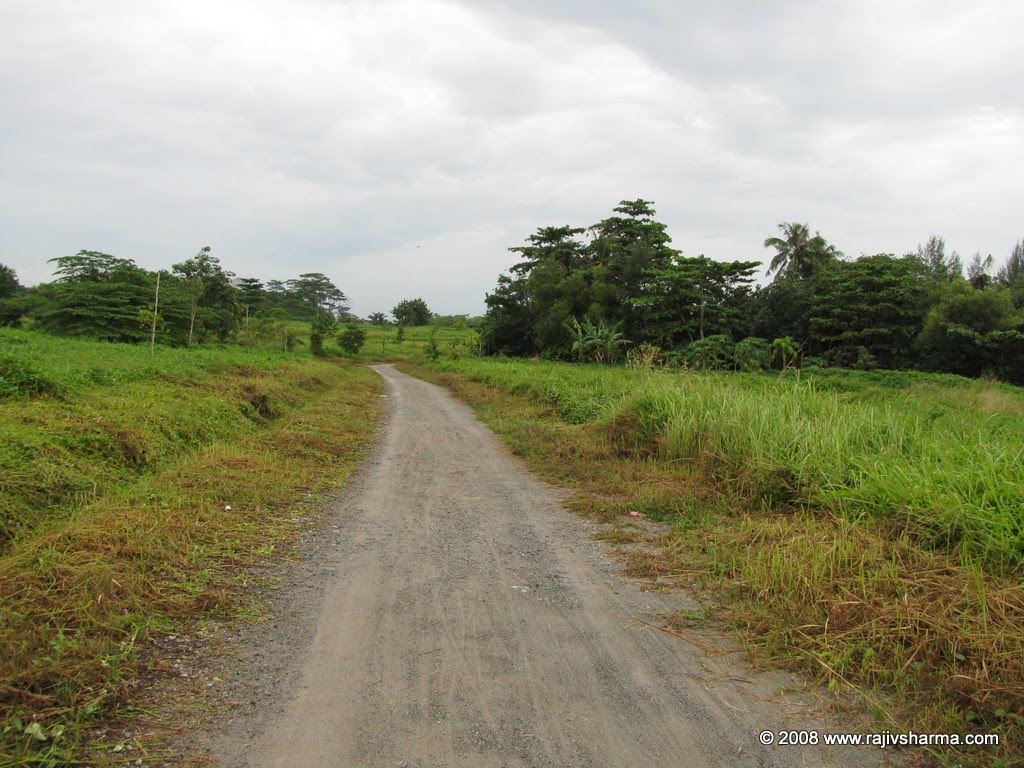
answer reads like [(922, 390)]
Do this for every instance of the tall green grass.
[(80, 418), (33, 363), (943, 456)]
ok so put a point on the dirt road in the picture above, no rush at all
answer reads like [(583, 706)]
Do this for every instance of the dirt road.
[(455, 615)]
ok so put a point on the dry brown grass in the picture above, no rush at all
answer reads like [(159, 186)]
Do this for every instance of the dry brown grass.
[(86, 592)]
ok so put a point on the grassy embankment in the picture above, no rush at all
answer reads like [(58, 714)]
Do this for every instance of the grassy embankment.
[(868, 528), (132, 490)]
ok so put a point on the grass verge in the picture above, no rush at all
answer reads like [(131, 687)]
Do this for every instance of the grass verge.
[(83, 589), (929, 633)]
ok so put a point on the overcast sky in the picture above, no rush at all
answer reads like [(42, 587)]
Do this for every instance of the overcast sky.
[(401, 147)]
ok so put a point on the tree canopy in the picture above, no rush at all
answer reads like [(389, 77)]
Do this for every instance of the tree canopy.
[(410, 312)]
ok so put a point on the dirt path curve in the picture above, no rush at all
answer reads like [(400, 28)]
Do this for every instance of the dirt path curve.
[(460, 617)]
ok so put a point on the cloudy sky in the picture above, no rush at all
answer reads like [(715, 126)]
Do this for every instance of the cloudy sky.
[(401, 146)]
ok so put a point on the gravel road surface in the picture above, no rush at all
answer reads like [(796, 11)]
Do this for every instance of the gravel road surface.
[(451, 613)]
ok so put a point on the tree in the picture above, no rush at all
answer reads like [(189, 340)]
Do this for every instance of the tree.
[(1011, 274), (971, 332), (250, 295), (797, 252), (96, 295), (783, 352), (599, 341), (11, 310), (710, 353), (411, 312), (9, 284), (624, 251), (378, 318), (979, 271), (557, 244), (319, 295), (752, 354), (352, 339), (322, 327), (941, 266), (694, 297), (875, 303), (507, 328), (207, 287)]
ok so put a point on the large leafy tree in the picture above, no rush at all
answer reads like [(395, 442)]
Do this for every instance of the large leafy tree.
[(411, 312), (11, 310), (9, 284), (96, 295), (797, 252), (971, 332), (871, 308), (250, 295), (507, 328), (623, 252), (695, 297), (211, 298), (319, 295), (552, 244)]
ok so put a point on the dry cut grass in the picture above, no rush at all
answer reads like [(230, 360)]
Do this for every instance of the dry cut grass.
[(83, 593)]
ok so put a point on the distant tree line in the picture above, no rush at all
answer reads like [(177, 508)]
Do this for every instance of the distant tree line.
[(105, 297), (618, 288)]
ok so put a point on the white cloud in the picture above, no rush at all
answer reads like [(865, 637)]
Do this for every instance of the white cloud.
[(334, 136)]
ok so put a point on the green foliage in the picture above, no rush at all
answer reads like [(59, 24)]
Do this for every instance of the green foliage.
[(942, 267), (95, 295), (19, 379), (971, 332), (432, 350), (9, 284), (876, 304), (319, 295), (713, 353), (599, 342), (323, 327), (752, 355), (411, 312), (783, 352), (352, 339), (797, 253), (211, 299), (694, 297), (11, 309)]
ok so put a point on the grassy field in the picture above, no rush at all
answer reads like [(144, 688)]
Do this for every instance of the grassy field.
[(868, 528), (134, 488), (381, 344)]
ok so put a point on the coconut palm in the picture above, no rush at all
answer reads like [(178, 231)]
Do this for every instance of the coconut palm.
[(797, 252)]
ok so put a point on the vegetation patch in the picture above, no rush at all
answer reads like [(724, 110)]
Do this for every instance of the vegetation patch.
[(865, 532), (170, 485)]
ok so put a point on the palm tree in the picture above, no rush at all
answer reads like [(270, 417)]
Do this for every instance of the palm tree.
[(799, 253)]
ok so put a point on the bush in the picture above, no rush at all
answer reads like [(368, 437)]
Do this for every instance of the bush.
[(752, 355), (710, 354), (352, 339)]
